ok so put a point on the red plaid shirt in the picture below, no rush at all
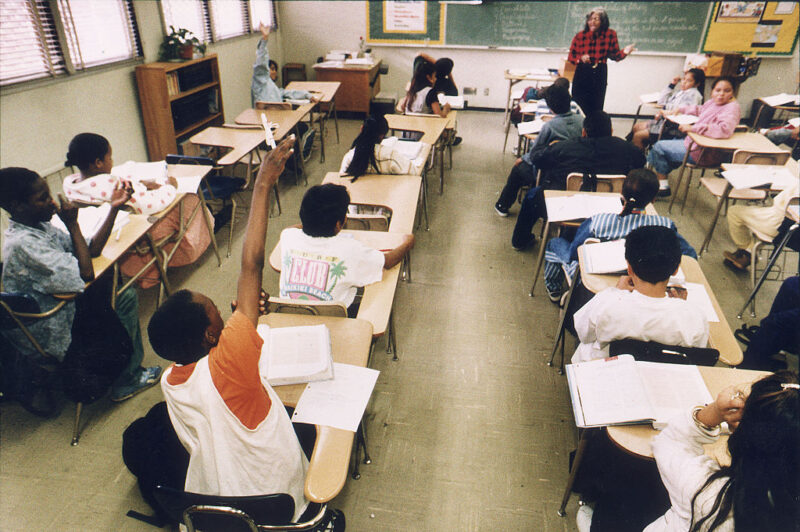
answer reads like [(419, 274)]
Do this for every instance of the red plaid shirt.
[(600, 46)]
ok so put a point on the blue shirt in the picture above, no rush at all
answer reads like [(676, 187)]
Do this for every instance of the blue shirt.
[(263, 89), (561, 127), (39, 262)]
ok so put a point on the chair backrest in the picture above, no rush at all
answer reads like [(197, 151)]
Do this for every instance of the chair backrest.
[(605, 182), (669, 354), (304, 306), (754, 157), (367, 222), (190, 159), (273, 105)]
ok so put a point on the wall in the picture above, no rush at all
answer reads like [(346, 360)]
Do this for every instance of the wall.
[(37, 124), (641, 73)]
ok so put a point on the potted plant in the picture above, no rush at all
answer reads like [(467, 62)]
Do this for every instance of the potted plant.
[(180, 44)]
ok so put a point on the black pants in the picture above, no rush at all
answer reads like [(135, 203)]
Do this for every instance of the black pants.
[(521, 174), (589, 87)]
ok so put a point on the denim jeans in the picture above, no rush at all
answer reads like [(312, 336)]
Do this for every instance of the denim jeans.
[(666, 155)]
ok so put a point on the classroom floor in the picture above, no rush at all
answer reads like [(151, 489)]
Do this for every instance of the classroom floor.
[(470, 430)]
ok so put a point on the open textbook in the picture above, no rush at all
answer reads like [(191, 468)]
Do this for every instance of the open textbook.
[(90, 219), (292, 355), (609, 258), (579, 206), (622, 391)]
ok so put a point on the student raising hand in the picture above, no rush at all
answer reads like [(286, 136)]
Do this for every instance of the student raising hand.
[(67, 211)]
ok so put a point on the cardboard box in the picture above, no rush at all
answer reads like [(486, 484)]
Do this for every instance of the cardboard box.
[(567, 70), (722, 64)]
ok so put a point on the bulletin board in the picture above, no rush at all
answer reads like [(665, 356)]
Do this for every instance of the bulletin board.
[(405, 22), (762, 28)]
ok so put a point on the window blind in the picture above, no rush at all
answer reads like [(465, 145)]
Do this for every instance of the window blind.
[(261, 11), (189, 14), (29, 47), (229, 18)]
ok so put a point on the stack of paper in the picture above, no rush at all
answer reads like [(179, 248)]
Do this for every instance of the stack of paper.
[(580, 206), (330, 64), (292, 355), (754, 175), (782, 99), (683, 119), (359, 61), (530, 106), (530, 127), (335, 57)]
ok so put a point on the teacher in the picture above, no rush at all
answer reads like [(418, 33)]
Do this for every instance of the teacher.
[(590, 50)]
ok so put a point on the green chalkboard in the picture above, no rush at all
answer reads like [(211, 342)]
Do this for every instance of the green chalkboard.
[(653, 26)]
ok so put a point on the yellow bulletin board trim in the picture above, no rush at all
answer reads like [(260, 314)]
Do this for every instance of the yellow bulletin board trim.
[(729, 34), (401, 40)]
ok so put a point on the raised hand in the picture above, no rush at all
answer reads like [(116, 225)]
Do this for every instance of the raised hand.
[(264, 29), (67, 211), (273, 163)]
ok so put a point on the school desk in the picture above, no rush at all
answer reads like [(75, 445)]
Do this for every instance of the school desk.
[(360, 83), (755, 142), (720, 336), (326, 91), (399, 193), (350, 344), (515, 77), (240, 142), (378, 298), (637, 439)]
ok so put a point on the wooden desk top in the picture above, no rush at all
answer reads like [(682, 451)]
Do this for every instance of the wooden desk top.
[(637, 439), (285, 118), (378, 298), (350, 343), (327, 89), (399, 193), (431, 127), (738, 141), (240, 141), (720, 336)]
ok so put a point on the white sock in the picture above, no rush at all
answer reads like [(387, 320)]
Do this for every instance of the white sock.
[(663, 184)]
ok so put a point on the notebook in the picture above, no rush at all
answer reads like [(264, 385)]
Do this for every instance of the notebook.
[(292, 355)]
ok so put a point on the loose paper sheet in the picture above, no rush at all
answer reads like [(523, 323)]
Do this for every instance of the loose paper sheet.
[(698, 297), (755, 175), (579, 206), (650, 97), (683, 119), (781, 99), (340, 402), (530, 127)]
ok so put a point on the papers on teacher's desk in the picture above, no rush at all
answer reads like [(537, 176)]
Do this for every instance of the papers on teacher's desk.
[(292, 355), (782, 99), (456, 102), (366, 61), (580, 206), (622, 391), (340, 402), (651, 97), (683, 119), (409, 148), (530, 127), (756, 175)]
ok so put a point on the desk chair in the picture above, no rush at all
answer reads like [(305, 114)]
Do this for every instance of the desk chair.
[(367, 222), (293, 72), (252, 513), (604, 183), (217, 187), (720, 188), (305, 306)]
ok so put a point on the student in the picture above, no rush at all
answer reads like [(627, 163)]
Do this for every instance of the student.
[(744, 219), (321, 264), (238, 435), (682, 92), (42, 261), (596, 151), (91, 154), (565, 125), (718, 118), (421, 84), (641, 306), (367, 154), (759, 490), (638, 191), (542, 107), (443, 85)]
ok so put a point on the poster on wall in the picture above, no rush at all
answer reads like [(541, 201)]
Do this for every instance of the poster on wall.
[(404, 16), (740, 11), (763, 28)]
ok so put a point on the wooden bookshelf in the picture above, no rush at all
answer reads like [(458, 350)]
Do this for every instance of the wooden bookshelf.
[(177, 101)]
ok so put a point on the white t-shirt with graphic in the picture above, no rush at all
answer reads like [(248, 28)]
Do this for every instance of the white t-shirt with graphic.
[(326, 268)]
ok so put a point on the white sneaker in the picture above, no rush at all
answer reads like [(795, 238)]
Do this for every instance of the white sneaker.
[(584, 518)]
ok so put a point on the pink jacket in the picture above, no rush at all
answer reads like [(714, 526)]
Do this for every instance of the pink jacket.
[(716, 121)]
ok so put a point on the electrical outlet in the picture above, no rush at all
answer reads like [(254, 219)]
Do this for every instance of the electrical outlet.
[(486, 91), (470, 90)]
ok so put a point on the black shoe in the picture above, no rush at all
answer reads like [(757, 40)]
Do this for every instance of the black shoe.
[(663, 193), (457, 141), (500, 210), (526, 245)]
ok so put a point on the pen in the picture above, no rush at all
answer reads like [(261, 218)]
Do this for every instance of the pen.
[(268, 132)]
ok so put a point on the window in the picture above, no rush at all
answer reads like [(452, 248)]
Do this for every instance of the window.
[(189, 14), (214, 20), (261, 11), (229, 18), (95, 33)]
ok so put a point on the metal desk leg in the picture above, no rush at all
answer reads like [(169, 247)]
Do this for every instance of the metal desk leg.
[(322, 118), (720, 202), (209, 225), (424, 193), (680, 180), (573, 472), (508, 128), (391, 345), (636, 116), (506, 116), (540, 258), (561, 330), (774, 257), (335, 118)]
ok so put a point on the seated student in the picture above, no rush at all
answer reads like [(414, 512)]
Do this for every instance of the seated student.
[(682, 92), (595, 151), (320, 263), (717, 118), (43, 261), (542, 107), (638, 191), (443, 85), (759, 489), (238, 435), (368, 155), (744, 219), (641, 306), (91, 153), (421, 83), (565, 125)]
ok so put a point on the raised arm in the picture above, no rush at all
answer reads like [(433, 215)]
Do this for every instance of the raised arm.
[(68, 213), (393, 257), (256, 233), (120, 196)]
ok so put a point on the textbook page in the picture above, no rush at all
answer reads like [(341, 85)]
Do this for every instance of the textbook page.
[(698, 297), (672, 389), (91, 218), (781, 99), (578, 206), (339, 402), (292, 355), (755, 175), (605, 257), (611, 392), (155, 172), (683, 119), (794, 122)]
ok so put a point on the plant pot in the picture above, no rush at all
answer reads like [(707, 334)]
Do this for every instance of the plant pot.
[(186, 51)]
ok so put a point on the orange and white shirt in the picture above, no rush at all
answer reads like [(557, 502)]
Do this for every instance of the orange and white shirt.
[(238, 435)]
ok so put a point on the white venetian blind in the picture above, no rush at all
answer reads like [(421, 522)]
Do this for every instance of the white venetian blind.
[(228, 18), (261, 11), (98, 32), (29, 47), (187, 14)]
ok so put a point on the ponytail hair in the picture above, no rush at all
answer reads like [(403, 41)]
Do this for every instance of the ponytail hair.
[(418, 82), (85, 149), (699, 79), (374, 128), (638, 190)]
